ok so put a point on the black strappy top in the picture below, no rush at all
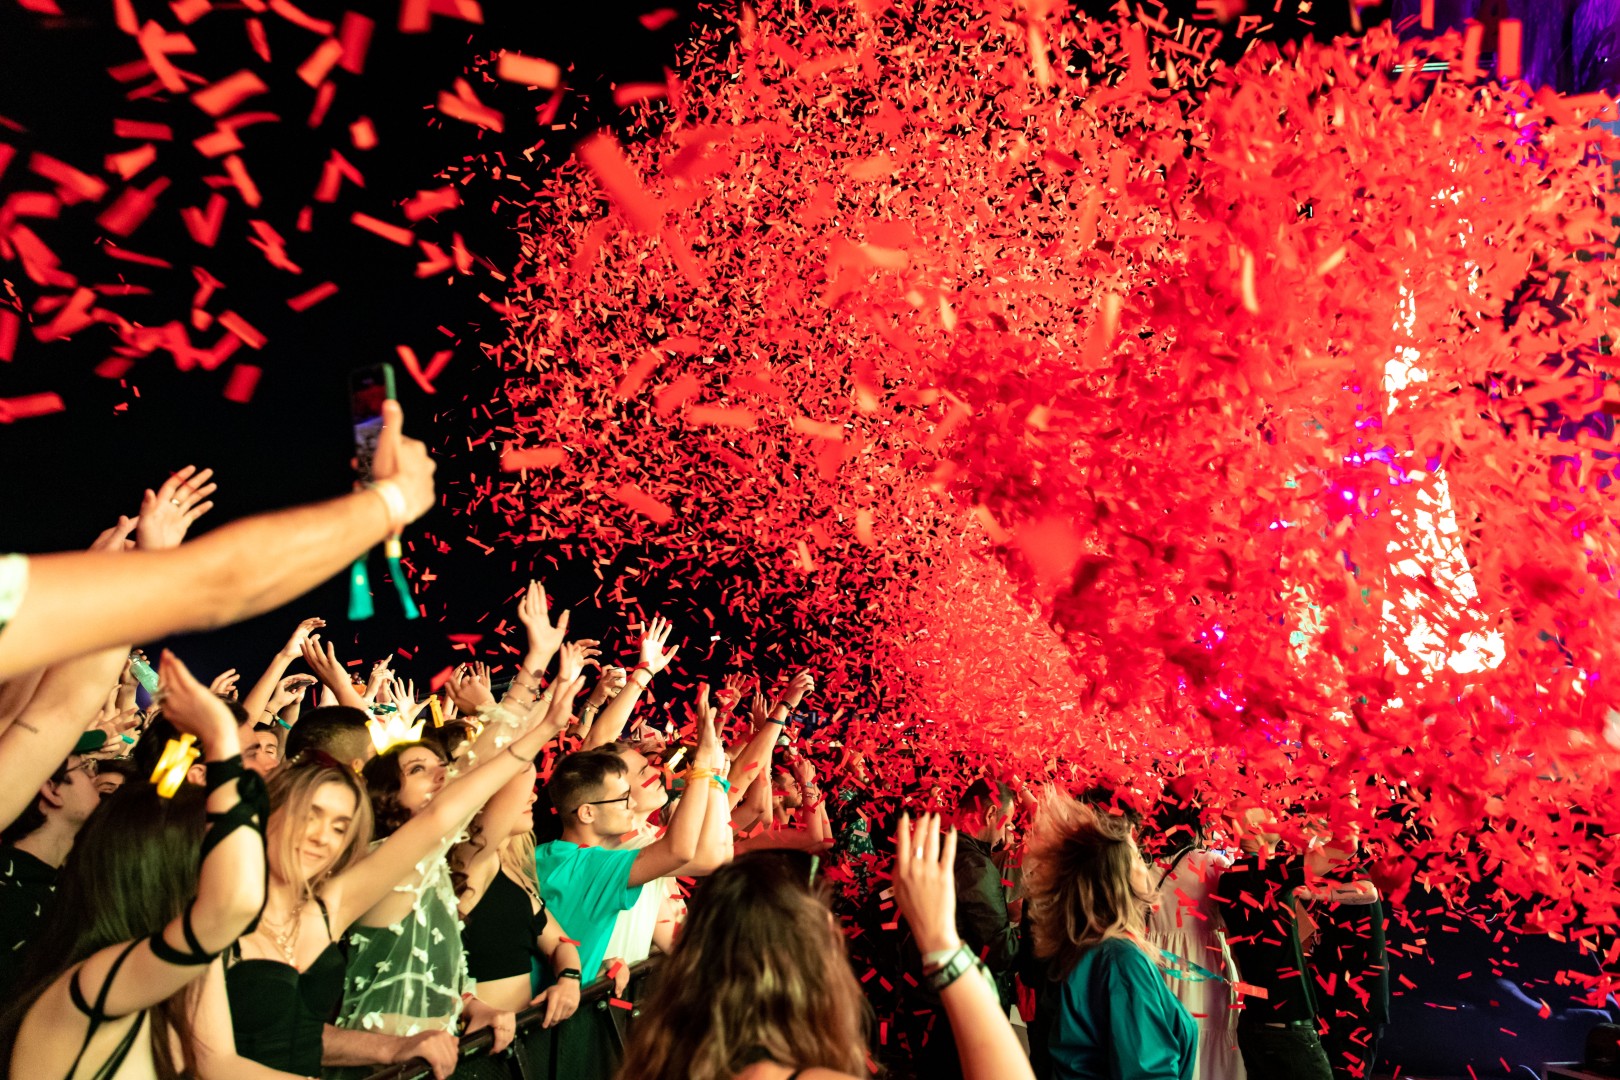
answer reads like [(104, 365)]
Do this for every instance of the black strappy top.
[(278, 1011), (98, 1016), (502, 934)]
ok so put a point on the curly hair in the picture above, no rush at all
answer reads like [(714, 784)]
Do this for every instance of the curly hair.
[(1078, 872), (759, 974), (382, 778)]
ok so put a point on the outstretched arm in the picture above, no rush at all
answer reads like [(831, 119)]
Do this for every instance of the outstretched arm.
[(359, 888), (257, 701), (77, 603), (654, 658), (679, 844), (925, 891), (230, 884)]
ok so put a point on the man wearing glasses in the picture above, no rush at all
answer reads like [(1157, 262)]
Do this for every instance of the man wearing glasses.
[(585, 878), (34, 847)]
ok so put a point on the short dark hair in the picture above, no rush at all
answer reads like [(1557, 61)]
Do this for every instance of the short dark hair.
[(580, 776), (982, 791), (33, 817), (336, 730)]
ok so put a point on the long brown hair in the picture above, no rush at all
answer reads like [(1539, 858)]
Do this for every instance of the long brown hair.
[(292, 789), (759, 974), (1078, 872), (132, 871)]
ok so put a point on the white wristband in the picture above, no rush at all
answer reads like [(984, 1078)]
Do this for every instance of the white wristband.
[(394, 501)]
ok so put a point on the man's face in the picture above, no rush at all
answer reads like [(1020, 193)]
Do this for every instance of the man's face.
[(610, 814), (647, 791), (261, 752), (77, 795)]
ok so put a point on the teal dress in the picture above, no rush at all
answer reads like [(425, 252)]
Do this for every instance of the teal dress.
[(1116, 1020)]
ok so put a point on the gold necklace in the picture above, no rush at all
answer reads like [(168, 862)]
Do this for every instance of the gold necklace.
[(286, 939)]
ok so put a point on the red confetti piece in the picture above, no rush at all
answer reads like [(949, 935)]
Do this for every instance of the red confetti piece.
[(355, 36), (464, 105), (243, 381), (657, 20), (309, 298), (393, 233), (413, 367), (540, 457), (228, 93), (655, 511), (528, 71), (142, 129), (239, 326), (1509, 35), (320, 63), (28, 406), (10, 324)]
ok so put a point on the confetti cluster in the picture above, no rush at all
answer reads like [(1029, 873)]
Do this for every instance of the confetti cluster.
[(1120, 410)]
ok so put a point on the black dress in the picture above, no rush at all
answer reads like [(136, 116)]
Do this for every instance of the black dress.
[(279, 1012)]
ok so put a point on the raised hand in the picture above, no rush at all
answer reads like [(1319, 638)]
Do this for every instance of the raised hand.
[(801, 684), (295, 644), (291, 689), (224, 684), (925, 881), (711, 752), (608, 686), (544, 637), (380, 674), (404, 463), (469, 689), (758, 710), (402, 692), (731, 692), (573, 656), (653, 654), (168, 512), (117, 537), (322, 658), (189, 705)]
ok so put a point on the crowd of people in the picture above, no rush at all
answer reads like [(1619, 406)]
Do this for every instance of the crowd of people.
[(321, 875)]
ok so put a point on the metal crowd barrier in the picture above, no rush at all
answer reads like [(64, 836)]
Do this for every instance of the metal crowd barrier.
[(516, 1064)]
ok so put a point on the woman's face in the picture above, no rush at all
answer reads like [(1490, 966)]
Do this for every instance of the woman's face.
[(421, 775), (525, 820), (325, 829)]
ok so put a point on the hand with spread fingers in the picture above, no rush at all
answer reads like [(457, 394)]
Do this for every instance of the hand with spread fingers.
[(170, 511), (654, 657)]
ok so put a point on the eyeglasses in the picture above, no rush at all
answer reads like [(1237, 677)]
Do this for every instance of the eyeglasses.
[(88, 765), (625, 798)]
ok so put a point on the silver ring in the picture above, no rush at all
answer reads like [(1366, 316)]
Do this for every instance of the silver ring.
[(176, 502)]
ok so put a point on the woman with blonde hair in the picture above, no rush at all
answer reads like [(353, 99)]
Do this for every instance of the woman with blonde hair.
[(1089, 894)]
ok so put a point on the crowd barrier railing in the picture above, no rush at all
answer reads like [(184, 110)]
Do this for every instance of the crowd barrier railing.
[(477, 1045)]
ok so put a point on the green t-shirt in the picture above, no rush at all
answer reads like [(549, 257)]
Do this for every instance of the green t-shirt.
[(1116, 1020), (585, 888)]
